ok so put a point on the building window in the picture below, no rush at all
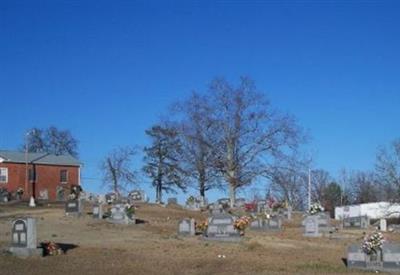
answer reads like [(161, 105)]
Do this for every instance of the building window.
[(3, 175), (64, 176), (32, 175)]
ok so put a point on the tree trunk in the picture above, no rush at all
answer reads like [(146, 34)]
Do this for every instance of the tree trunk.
[(232, 194), (158, 192)]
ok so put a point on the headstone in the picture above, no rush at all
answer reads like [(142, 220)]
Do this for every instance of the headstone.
[(239, 202), (23, 238), (172, 201), (386, 259), (220, 228), (73, 208), (187, 227), (311, 228), (261, 206), (361, 222), (216, 208), (43, 194), (383, 225), (98, 211), (391, 257), (119, 216), (271, 224), (137, 196)]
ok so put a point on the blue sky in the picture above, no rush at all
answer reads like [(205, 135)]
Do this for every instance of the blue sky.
[(108, 70)]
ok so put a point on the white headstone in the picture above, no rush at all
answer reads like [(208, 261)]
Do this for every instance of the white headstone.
[(383, 225)]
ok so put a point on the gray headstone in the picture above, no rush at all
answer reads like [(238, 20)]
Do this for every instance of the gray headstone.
[(23, 238), (172, 201), (43, 194), (73, 207), (220, 228), (271, 224), (98, 211), (391, 257), (119, 216), (386, 259), (361, 222), (187, 227), (311, 226)]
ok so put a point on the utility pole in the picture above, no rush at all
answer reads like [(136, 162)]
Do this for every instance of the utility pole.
[(309, 188), (26, 165)]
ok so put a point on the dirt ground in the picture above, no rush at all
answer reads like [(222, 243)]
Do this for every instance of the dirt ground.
[(153, 246)]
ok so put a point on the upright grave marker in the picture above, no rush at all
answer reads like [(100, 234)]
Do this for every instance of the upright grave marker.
[(23, 238), (187, 227), (272, 224), (220, 228), (98, 211), (361, 222), (73, 208), (119, 215)]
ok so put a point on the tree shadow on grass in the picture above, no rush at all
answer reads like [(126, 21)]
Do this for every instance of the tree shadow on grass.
[(344, 260), (65, 247)]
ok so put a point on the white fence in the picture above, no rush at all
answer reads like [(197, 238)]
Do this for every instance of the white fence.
[(374, 210)]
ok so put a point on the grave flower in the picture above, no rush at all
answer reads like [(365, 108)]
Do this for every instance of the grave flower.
[(202, 226), (315, 208), (190, 200), (242, 223), (373, 243), (52, 249)]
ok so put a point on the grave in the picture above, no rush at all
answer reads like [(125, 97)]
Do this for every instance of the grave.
[(216, 208), (311, 226), (73, 208), (361, 222), (23, 238), (383, 225), (172, 201), (97, 211), (119, 216), (43, 194), (271, 224), (187, 227), (261, 206), (137, 196), (220, 228), (386, 259)]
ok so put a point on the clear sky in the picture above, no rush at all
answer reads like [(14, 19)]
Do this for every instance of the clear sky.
[(107, 70)]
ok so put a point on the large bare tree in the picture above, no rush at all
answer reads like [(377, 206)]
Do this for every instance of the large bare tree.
[(161, 158), (51, 140), (388, 170), (197, 137), (118, 174), (250, 133)]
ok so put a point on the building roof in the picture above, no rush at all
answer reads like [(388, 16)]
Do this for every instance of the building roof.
[(38, 158)]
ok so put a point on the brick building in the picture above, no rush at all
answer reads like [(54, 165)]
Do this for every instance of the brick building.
[(45, 176)]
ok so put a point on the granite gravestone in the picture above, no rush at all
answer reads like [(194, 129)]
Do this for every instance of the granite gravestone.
[(361, 222), (172, 201), (73, 208), (220, 228), (272, 224), (311, 226), (119, 216), (383, 225), (386, 259), (186, 227), (98, 211), (137, 196), (23, 238)]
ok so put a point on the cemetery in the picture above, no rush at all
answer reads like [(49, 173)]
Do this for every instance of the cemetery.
[(190, 242)]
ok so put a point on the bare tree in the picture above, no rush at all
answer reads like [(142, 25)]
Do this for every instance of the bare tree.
[(51, 140), (117, 172), (320, 180), (388, 170), (162, 160), (365, 188), (289, 180), (250, 134), (196, 135)]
